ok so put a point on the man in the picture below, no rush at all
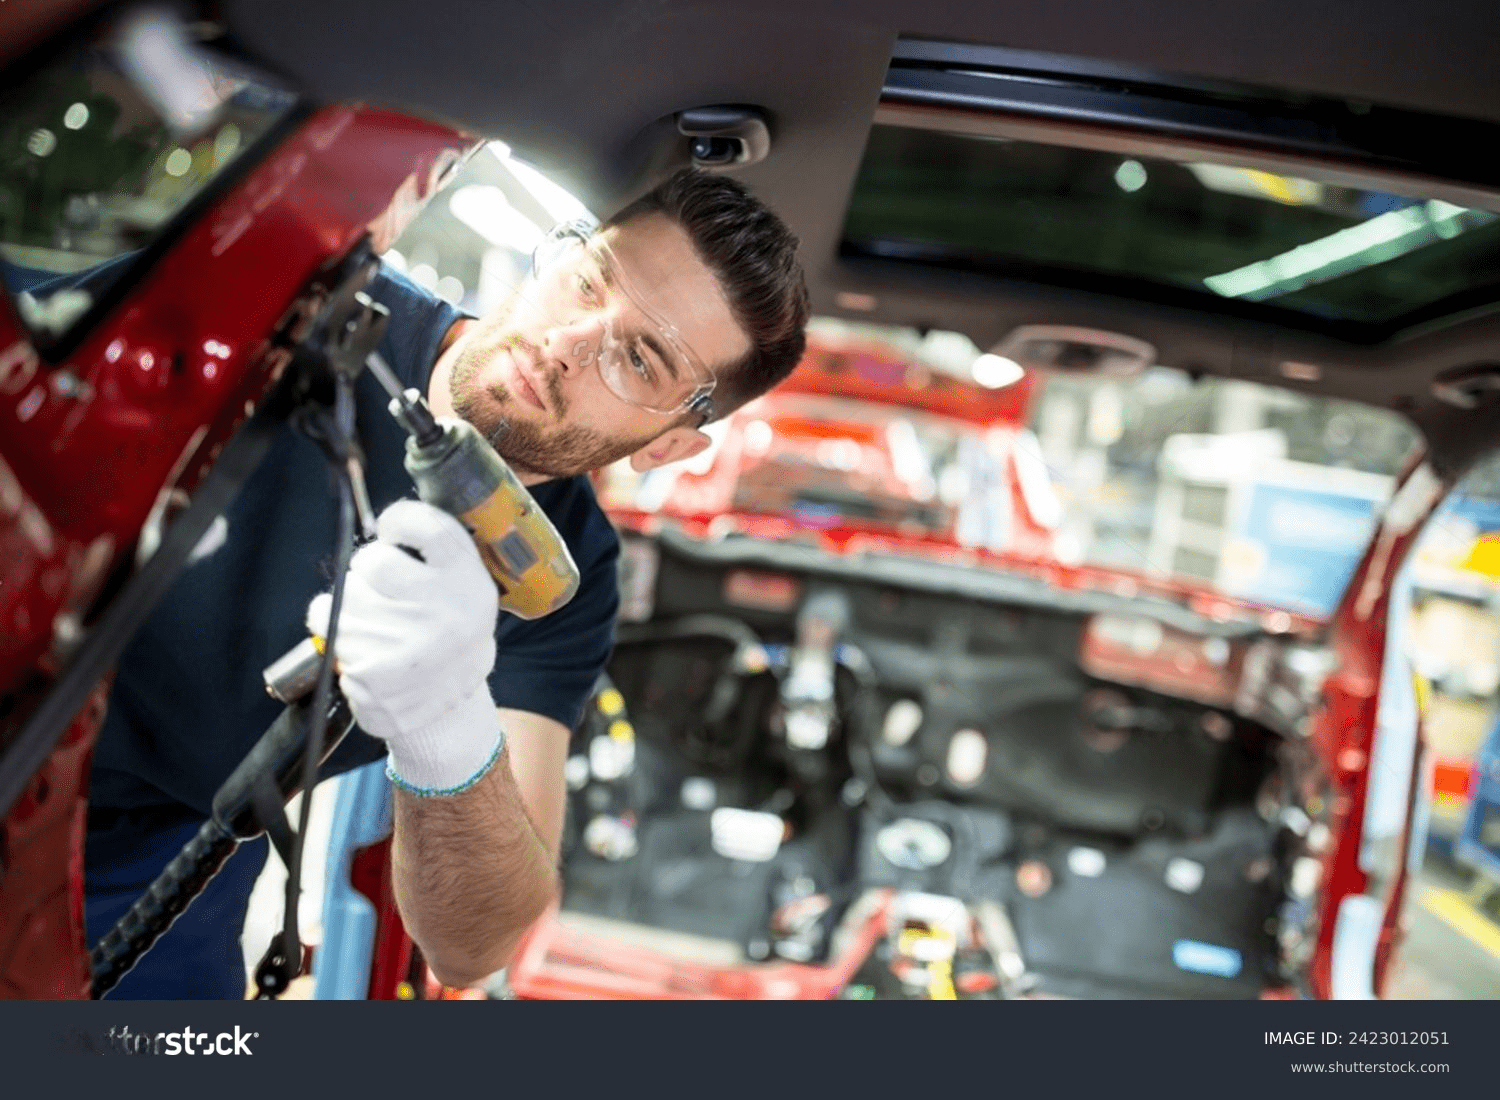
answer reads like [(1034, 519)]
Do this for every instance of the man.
[(623, 344)]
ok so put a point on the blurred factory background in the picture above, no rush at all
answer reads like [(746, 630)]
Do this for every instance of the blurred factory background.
[(1264, 494)]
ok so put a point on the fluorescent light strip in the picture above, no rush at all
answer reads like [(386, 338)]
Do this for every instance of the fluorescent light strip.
[(1376, 241)]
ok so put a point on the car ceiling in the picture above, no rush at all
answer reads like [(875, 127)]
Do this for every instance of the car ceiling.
[(589, 89)]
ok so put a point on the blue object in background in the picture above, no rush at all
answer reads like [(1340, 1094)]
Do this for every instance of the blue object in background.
[(361, 816), (1312, 540), (1207, 958), (1374, 203), (1474, 848), (1483, 514)]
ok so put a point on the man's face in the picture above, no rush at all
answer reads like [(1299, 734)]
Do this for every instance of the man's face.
[(527, 375)]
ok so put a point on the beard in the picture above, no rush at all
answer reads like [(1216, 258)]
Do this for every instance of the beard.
[(559, 450)]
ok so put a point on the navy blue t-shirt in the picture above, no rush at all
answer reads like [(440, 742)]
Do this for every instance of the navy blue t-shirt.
[(188, 700)]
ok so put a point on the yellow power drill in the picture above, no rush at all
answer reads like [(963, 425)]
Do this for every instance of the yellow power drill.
[(455, 469)]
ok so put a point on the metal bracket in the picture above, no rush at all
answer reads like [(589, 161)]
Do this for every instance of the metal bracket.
[(326, 361)]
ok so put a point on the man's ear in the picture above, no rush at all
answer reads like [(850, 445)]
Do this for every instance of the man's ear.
[(673, 445)]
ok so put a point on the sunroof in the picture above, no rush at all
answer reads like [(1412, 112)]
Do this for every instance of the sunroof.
[(1153, 227)]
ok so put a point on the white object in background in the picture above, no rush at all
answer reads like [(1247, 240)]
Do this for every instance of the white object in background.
[(1035, 481), (610, 758), (699, 793), (1356, 931), (263, 916), (746, 834), (610, 837), (968, 754), (901, 722), (1184, 875), (1086, 862)]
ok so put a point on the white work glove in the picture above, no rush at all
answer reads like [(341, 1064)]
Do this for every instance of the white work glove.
[(415, 645)]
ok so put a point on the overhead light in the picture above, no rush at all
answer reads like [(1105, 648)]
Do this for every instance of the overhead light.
[(1381, 239), (1130, 176), (179, 160), (169, 69), (996, 371), (485, 209), (561, 205), (1252, 183), (1184, 875), (226, 143), (41, 142)]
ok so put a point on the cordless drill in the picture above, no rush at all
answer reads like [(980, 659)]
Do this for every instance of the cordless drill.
[(455, 469)]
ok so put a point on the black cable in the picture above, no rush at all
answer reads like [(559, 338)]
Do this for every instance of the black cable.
[(237, 815), (290, 953), (164, 901), (274, 760)]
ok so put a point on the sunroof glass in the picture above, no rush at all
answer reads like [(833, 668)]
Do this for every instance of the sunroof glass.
[(1063, 214)]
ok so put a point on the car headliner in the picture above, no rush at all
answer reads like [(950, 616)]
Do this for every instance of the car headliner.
[(589, 90)]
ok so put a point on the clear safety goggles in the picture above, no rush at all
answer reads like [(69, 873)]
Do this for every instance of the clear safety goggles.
[(580, 291)]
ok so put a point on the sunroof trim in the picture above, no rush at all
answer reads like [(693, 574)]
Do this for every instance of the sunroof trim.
[(938, 199), (935, 53), (1143, 141)]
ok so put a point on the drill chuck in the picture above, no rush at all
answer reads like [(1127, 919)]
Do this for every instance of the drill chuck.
[(412, 413)]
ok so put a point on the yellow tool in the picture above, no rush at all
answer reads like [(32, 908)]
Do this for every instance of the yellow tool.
[(455, 469)]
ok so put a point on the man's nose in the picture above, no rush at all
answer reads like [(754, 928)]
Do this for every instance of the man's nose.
[(575, 345)]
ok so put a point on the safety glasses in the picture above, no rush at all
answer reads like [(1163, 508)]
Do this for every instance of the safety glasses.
[(581, 291)]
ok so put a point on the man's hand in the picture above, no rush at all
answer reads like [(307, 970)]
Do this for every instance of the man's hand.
[(415, 644)]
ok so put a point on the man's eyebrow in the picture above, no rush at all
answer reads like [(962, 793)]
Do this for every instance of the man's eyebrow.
[(607, 273), (649, 339), (606, 268)]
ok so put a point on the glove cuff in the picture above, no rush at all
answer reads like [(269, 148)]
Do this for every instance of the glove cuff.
[(452, 754)]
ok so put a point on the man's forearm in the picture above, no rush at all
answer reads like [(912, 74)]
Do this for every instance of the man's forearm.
[(470, 875)]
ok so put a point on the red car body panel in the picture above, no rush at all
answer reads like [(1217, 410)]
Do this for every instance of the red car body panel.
[(155, 392), (1343, 729)]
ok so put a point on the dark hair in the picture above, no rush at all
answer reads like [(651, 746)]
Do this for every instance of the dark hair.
[(754, 256)]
